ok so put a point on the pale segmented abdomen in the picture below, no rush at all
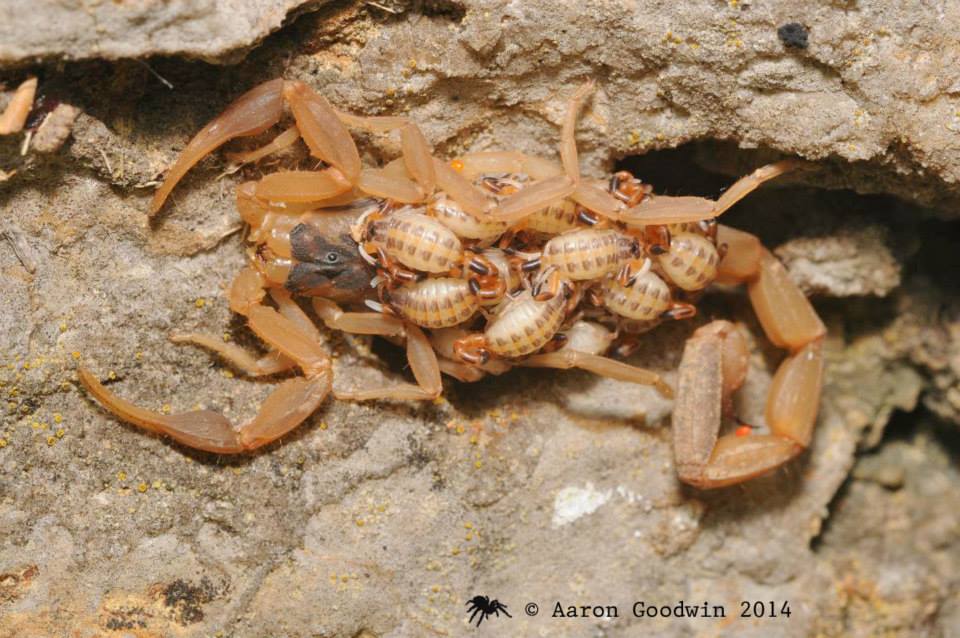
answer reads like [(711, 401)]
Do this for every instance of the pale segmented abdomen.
[(558, 217), (465, 225), (691, 262), (435, 302), (646, 299), (525, 325), (418, 242), (588, 254)]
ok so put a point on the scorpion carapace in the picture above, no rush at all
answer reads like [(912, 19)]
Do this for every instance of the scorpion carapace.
[(485, 262)]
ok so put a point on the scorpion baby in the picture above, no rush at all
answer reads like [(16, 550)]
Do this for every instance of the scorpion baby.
[(488, 261)]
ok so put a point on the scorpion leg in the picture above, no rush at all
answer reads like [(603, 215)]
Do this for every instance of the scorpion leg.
[(423, 364), (489, 162), (586, 194), (461, 371), (597, 200), (325, 135), (661, 209), (603, 366), (282, 141), (459, 188), (714, 364), (293, 340), (15, 115), (416, 155), (253, 112), (742, 260), (379, 183), (359, 323), (541, 194), (302, 186), (568, 142), (286, 407), (533, 198), (270, 363), (420, 354)]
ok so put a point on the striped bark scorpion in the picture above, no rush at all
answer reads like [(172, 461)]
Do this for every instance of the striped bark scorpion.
[(502, 257)]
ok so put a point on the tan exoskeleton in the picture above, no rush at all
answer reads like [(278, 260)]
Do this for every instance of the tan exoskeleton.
[(303, 245), (714, 366), (526, 331), (14, 116), (302, 251)]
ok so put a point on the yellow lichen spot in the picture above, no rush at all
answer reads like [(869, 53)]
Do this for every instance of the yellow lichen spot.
[(3, 443), (157, 485), (121, 476), (165, 408), (468, 526), (474, 439), (455, 551), (63, 326), (75, 354), (26, 365), (35, 425), (412, 63), (344, 578), (60, 433), (227, 373), (51, 440), (138, 356), (456, 165), (359, 522), (672, 38), (469, 536), (435, 589), (112, 375), (200, 302), (226, 336), (57, 417), (143, 487), (733, 4), (460, 428), (439, 401), (323, 425), (390, 92), (478, 464)]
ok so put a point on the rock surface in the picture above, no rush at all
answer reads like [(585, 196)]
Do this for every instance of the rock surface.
[(205, 29), (535, 487)]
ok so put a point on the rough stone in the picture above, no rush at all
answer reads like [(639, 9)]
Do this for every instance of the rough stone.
[(204, 29), (853, 263)]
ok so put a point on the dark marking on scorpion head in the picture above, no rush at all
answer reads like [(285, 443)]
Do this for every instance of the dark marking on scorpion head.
[(326, 266)]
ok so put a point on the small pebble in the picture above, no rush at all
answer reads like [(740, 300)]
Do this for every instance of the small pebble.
[(793, 35)]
